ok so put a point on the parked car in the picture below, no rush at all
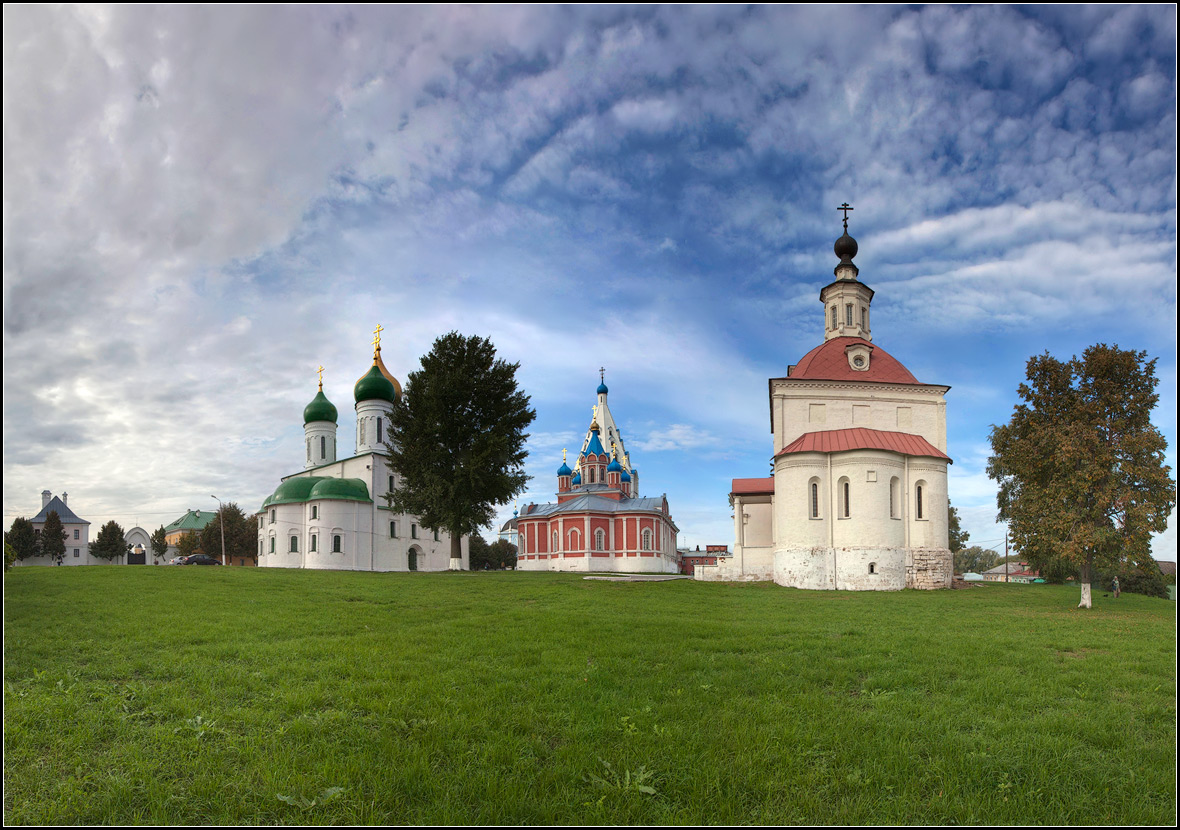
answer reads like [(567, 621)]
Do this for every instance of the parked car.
[(199, 559), (177, 560)]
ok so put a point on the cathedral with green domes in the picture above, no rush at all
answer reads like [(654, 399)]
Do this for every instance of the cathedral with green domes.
[(333, 514)]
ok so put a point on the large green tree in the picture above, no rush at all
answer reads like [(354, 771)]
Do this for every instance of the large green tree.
[(241, 535), (975, 560), (456, 438), (23, 538), (190, 543), (1080, 466), (53, 538), (110, 542), (958, 536), (159, 541)]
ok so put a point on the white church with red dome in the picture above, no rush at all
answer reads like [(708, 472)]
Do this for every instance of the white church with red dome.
[(858, 498)]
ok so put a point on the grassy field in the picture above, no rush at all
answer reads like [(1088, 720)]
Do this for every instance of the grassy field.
[(247, 696)]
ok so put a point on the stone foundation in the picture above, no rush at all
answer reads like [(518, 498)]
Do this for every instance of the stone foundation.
[(930, 568)]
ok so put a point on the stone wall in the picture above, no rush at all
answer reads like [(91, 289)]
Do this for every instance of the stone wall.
[(930, 568)]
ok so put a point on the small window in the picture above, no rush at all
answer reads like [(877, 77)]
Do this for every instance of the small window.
[(315, 511), (846, 490), (918, 500), (848, 314), (599, 540), (294, 544), (323, 447), (864, 318), (814, 500), (391, 484), (335, 544), (272, 544), (833, 317), (872, 567), (77, 553), (393, 530), (413, 531), (76, 532), (555, 540), (272, 515), (378, 430), (647, 538), (436, 535), (313, 544)]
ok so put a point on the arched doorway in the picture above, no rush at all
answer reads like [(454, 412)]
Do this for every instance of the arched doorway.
[(415, 556)]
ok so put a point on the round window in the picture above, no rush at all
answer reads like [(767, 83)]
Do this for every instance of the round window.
[(858, 362)]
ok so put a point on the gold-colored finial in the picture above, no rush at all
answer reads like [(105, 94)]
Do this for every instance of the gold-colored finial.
[(377, 339), (563, 455), (321, 373)]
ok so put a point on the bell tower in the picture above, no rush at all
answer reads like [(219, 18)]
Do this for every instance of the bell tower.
[(846, 301)]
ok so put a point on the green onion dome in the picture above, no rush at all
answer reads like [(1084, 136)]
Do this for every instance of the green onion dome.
[(320, 409), (351, 489), (374, 386)]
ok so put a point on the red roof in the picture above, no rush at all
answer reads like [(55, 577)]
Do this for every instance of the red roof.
[(859, 438), (828, 361), (752, 486)]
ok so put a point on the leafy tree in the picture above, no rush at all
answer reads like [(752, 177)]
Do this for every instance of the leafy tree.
[(457, 437), (1080, 466), (53, 538), (189, 544), (110, 542), (23, 538), (479, 553), (159, 542), (502, 554), (958, 536), (975, 560), (241, 535), (9, 555)]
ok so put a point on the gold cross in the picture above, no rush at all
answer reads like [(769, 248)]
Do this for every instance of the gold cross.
[(594, 412), (563, 455), (321, 371), (377, 337)]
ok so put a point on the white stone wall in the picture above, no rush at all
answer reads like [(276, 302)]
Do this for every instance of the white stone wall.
[(802, 406), (317, 452)]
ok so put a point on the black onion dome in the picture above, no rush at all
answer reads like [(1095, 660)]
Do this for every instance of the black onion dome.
[(845, 247)]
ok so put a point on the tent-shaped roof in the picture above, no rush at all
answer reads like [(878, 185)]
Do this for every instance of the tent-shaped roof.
[(67, 516)]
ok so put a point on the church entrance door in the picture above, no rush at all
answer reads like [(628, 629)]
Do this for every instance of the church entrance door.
[(413, 559)]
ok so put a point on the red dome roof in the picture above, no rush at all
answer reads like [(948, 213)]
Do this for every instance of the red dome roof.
[(828, 361)]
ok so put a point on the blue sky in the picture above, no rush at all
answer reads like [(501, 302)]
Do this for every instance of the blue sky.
[(203, 204)]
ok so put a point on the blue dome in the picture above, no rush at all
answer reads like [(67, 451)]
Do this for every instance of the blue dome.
[(614, 466), (564, 469), (625, 476), (577, 479), (602, 389)]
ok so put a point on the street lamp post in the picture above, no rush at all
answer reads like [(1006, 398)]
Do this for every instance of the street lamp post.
[(221, 513)]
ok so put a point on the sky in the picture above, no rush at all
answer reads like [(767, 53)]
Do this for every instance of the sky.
[(204, 204)]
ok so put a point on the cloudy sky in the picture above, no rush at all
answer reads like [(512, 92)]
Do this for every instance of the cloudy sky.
[(202, 205)]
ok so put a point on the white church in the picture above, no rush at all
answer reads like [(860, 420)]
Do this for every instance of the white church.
[(333, 514), (858, 497)]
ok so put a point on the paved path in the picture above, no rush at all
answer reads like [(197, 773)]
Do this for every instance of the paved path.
[(639, 577)]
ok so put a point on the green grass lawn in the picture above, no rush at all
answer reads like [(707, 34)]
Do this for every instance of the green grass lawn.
[(247, 696)]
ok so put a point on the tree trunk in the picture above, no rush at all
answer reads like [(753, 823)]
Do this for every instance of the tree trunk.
[(456, 551), (1085, 580)]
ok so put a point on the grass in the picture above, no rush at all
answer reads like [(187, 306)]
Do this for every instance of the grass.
[(248, 696)]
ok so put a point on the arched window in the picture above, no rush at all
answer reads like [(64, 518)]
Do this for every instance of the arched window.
[(918, 501), (294, 544), (378, 430), (592, 474), (872, 567), (599, 539), (833, 317), (814, 496), (323, 446), (315, 511), (336, 543), (845, 495), (647, 538), (848, 314), (312, 548), (573, 539), (556, 541), (864, 318), (393, 530)]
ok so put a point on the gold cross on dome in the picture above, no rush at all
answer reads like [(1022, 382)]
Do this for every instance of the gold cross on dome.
[(377, 337), (321, 373), (563, 455)]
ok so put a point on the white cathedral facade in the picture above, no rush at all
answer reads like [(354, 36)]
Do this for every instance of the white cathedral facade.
[(858, 496), (333, 514)]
